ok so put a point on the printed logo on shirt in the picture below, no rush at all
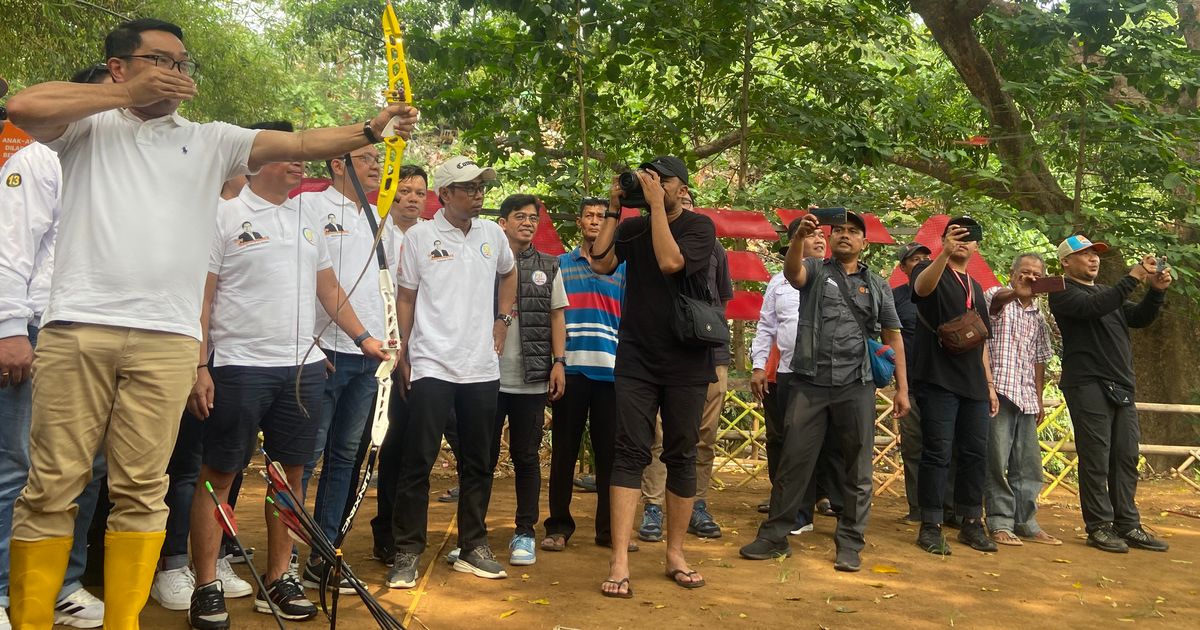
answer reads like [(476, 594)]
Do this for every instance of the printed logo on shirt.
[(437, 253), (486, 250), (539, 277), (332, 227), (248, 236), (862, 290), (13, 180), (308, 236)]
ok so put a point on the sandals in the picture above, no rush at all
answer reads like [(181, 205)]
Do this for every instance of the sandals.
[(554, 542), (628, 594), (1005, 537), (1042, 538), (675, 573)]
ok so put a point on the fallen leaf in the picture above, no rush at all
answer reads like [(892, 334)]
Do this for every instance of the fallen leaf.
[(991, 574), (884, 568), (843, 609), (659, 606), (1061, 561), (541, 601), (741, 615), (555, 583), (525, 576), (510, 598), (1183, 561), (888, 595), (508, 613), (1077, 585), (790, 599)]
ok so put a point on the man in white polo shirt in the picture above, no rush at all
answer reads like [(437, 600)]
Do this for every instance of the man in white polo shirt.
[(121, 332), (346, 405), (453, 319), (258, 296)]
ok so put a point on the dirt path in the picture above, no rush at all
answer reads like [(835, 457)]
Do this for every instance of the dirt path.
[(900, 586)]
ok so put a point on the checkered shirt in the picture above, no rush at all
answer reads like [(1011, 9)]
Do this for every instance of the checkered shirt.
[(1020, 340)]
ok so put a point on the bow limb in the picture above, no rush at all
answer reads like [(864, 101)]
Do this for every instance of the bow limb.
[(398, 90)]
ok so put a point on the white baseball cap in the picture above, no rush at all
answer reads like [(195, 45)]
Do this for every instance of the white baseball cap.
[(460, 169)]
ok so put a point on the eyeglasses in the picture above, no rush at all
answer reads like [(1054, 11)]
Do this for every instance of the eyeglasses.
[(378, 159), (523, 218), (470, 189), (186, 66)]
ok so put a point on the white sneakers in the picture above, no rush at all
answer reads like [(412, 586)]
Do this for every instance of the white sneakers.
[(802, 530), (5, 624), (80, 609), (173, 589), (234, 586)]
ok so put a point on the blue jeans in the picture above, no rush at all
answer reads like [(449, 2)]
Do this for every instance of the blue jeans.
[(16, 404), (958, 426), (1014, 472), (345, 409)]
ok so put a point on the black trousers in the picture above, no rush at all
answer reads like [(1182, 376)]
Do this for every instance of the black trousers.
[(1106, 437), (848, 412), (829, 476), (639, 404), (591, 403), (526, 414), (429, 403), (951, 426)]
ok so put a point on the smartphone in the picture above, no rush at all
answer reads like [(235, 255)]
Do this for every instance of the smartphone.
[(1049, 284), (974, 233), (830, 216), (1162, 264)]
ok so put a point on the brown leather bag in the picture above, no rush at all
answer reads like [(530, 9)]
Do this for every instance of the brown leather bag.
[(965, 332)]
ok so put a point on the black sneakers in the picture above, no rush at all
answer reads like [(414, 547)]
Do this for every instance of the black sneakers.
[(931, 539), (975, 536), (1105, 538), (207, 611), (848, 561), (1137, 537), (763, 549), (313, 573), (404, 570), (287, 596)]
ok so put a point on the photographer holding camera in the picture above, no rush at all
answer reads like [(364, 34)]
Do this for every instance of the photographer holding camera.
[(658, 369), (1097, 381)]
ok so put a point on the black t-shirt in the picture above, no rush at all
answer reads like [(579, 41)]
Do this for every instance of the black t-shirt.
[(647, 348), (908, 324), (1094, 321), (962, 373)]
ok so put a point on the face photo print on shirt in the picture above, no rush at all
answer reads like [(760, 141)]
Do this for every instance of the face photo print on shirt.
[(333, 227), (248, 236)]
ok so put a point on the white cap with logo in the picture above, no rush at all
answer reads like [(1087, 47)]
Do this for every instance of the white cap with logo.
[(460, 169)]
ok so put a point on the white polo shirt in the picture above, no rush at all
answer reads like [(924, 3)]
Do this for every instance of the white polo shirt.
[(30, 195), (350, 241), (454, 275), (137, 222), (265, 303)]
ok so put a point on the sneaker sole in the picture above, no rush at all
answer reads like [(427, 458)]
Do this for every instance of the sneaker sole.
[(244, 591), (1108, 548), (766, 556), (181, 605), (261, 607), (307, 583), (649, 537), (61, 619), (463, 566), (522, 562), (401, 583), (695, 532)]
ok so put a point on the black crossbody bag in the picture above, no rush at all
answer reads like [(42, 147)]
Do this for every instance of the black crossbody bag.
[(696, 321)]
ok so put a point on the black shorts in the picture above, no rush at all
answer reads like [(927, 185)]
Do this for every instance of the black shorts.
[(249, 398)]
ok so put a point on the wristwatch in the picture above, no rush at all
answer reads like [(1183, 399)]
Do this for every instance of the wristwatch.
[(562, 360), (609, 214), (358, 341), (504, 317), (370, 134)]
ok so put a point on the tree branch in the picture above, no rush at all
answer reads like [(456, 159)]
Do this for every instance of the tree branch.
[(943, 172)]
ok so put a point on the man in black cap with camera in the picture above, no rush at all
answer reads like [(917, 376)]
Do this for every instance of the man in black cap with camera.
[(953, 388), (1097, 381), (666, 252), (842, 305)]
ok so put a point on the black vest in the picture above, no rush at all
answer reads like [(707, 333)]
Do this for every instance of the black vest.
[(535, 281)]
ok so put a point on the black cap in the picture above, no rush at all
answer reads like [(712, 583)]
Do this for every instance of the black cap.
[(857, 220), (910, 249), (669, 166), (963, 221)]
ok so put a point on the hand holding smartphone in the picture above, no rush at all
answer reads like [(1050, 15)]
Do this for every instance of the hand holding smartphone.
[(1049, 284), (830, 216)]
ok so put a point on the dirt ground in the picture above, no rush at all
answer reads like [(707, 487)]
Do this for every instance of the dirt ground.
[(1033, 586)]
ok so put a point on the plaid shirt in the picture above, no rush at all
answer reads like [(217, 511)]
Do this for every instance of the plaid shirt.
[(1020, 340)]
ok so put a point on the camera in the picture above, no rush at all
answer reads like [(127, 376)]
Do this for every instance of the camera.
[(632, 186), (1162, 264)]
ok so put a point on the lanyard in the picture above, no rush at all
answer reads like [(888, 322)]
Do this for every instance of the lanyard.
[(968, 288)]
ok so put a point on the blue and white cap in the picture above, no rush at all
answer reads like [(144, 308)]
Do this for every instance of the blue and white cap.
[(1078, 243)]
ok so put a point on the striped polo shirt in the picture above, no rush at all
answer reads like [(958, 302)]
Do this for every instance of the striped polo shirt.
[(593, 317)]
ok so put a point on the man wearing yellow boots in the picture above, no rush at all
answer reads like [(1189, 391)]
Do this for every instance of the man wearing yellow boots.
[(119, 339)]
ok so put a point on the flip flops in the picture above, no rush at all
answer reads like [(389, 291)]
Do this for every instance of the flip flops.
[(628, 594), (554, 542), (674, 576)]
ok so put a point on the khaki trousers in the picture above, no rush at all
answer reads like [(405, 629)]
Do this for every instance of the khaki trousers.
[(654, 479), (95, 386)]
